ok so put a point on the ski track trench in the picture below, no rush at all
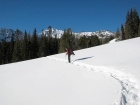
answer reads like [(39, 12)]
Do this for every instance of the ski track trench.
[(130, 93)]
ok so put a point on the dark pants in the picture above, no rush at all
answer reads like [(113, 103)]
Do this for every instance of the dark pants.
[(69, 58)]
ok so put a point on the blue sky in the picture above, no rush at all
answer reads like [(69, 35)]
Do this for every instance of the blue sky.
[(79, 15)]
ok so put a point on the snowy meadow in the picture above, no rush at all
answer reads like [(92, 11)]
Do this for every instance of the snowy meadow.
[(103, 75)]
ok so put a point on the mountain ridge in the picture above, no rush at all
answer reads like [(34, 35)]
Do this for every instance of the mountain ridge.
[(6, 34), (59, 33)]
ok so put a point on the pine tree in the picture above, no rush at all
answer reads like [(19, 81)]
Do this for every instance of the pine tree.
[(0, 54), (49, 31), (12, 42), (105, 40), (128, 26), (82, 42), (34, 42), (25, 47), (63, 42), (117, 34), (41, 47), (131, 24), (94, 41), (43, 50), (29, 46), (56, 45), (139, 30), (136, 22), (67, 40), (8, 53), (122, 33), (17, 51), (4, 51), (50, 41)]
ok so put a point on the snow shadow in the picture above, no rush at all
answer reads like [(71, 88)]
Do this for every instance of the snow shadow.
[(82, 58)]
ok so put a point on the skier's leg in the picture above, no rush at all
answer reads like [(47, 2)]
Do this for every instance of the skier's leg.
[(69, 58)]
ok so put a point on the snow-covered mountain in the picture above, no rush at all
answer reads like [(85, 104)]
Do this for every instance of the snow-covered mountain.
[(54, 31), (59, 33), (6, 34)]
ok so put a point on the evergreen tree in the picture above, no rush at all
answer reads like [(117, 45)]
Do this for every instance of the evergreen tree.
[(55, 45), (29, 46), (129, 26), (41, 47), (50, 41), (3, 51), (8, 54), (136, 22), (117, 34), (43, 50), (34, 43), (17, 51), (25, 47), (12, 47), (75, 46), (63, 41), (122, 33), (111, 37), (94, 41), (82, 42), (139, 30), (50, 45), (49, 31), (71, 39), (105, 40), (67, 40), (0, 54)]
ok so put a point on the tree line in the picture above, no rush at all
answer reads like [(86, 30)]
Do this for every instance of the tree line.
[(32, 46), (131, 27)]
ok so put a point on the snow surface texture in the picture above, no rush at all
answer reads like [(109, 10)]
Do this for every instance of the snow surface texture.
[(124, 55), (104, 75), (113, 40), (47, 82), (130, 85)]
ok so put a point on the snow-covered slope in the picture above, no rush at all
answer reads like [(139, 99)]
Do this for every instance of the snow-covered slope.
[(114, 40), (6, 34), (59, 33), (103, 75)]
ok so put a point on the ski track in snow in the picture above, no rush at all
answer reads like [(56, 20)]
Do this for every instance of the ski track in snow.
[(130, 93)]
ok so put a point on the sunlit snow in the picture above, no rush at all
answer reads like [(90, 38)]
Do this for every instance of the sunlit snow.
[(103, 75)]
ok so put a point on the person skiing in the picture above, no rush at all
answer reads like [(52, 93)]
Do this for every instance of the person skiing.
[(69, 52)]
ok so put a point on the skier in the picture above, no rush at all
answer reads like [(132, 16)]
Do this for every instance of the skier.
[(69, 52)]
